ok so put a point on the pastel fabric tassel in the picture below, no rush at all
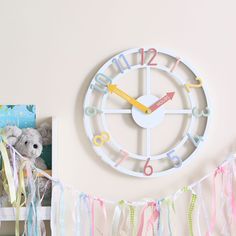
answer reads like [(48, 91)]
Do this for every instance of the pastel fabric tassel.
[(57, 210)]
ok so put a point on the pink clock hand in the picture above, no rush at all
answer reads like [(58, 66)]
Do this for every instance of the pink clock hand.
[(162, 101)]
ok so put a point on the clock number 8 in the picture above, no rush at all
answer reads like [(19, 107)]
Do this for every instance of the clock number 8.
[(100, 140), (148, 169), (101, 83), (177, 162)]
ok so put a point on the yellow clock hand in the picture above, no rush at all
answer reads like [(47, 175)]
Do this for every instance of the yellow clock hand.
[(112, 88)]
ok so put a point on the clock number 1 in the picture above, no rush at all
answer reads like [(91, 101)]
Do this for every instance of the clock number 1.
[(148, 169), (119, 65), (150, 62)]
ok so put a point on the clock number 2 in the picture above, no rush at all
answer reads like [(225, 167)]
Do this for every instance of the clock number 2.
[(148, 169), (177, 162), (101, 83), (119, 64), (199, 85), (154, 54), (100, 140)]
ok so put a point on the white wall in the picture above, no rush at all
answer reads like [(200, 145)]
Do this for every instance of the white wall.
[(49, 51)]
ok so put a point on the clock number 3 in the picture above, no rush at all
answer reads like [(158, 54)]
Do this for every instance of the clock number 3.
[(148, 169), (204, 113), (177, 162), (100, 140), (199, 85), (101, 83), (118, 63), (150, 62)]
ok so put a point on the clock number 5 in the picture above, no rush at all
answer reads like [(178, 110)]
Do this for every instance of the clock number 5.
[(150, 62), (148, 169), (100, 140), (119, 65), (177, 162), (199, 85), (101, 83)]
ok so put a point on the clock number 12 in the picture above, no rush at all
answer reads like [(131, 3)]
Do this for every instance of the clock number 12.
[(152, 51)]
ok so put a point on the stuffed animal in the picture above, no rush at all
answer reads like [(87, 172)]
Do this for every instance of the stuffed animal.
[(29, 143)]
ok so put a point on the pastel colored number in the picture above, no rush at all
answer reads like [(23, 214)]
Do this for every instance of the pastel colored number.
[(197, 113), (152, 51), (177, 162), (119, 65), (148, 169), (124, 156), (92, 111), (199, 85), (101, 83), (100, 140), (195, 139)]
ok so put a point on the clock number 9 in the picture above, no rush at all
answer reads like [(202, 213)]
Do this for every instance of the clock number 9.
[(100, 140), (203, 113), (177, 162), (150, 62), (148, 169), (101, 83), (92, 111), (119, 65), (199, 85)]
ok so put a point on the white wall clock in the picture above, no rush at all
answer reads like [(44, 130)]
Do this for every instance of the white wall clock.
[(146, 112)]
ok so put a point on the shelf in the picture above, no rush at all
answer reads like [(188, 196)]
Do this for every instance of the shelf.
[(8, 213)]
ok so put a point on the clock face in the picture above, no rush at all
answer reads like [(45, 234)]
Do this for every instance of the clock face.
[(146, 112)]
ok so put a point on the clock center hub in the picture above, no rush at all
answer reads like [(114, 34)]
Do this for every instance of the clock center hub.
[(148, 120)]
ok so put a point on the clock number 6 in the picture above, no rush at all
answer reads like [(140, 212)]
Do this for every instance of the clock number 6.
[(177, 162), (199, 85), (100, 140), (150, 62), (148, 169)]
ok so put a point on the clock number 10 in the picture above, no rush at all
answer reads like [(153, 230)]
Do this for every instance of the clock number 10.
[(152, 51), (101, 83)]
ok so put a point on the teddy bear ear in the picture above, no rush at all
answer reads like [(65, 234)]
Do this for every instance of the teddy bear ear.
[(12, 134), (46, 132)]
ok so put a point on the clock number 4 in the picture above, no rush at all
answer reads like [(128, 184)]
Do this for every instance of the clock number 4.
[(199, 85), (101, 83), (148, 169), (152, 51), (118, 63), (100, 140), (195, 139), (177, 162)]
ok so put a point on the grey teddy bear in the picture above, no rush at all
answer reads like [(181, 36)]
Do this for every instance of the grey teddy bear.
[(29, 143)]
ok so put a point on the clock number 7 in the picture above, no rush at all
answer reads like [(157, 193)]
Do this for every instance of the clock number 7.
[(119, 65), (101, 83), (150, 62)]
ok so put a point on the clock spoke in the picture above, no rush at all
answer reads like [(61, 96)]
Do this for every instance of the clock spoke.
[(148, 142), (148, 80), (116, 111), (178, 111)]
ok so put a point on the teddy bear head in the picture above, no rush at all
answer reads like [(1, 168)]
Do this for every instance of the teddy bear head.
[(28, 142)]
